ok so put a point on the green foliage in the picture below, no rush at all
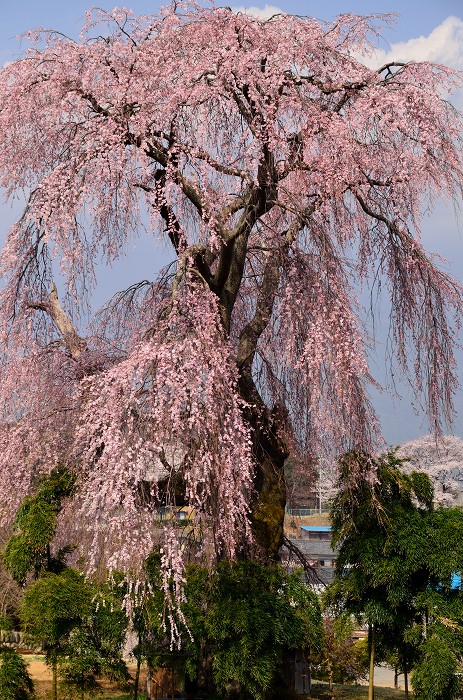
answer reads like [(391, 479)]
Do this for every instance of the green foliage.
[(254, 614), (15, 681), (341, 660), (243, 617), (94, 646), (81, 626), (397, 556), (434, 677), (6, 623), (52, 606), (380, 525), (34, 527)]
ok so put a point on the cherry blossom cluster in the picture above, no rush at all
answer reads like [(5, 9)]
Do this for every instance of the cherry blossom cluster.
[(282, 173)]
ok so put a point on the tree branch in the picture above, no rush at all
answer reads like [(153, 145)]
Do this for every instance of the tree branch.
[(309, 570), (75, 345), (266, 295)]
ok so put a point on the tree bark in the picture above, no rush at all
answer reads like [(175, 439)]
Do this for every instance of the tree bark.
[(404, 664), (75, 345), (270, 453), (268, 508)]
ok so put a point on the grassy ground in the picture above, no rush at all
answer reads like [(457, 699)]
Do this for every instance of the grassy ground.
[(355, 692), (346, 692)]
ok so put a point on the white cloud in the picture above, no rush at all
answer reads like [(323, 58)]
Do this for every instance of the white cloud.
[(260, 12), (443, 45)]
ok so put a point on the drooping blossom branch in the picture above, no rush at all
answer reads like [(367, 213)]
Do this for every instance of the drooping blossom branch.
[(281, 172)]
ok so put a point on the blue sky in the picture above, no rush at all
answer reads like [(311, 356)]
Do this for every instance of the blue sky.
[(424, 30), (415, 17)]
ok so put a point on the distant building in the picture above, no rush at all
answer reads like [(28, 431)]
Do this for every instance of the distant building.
[(314, 544)]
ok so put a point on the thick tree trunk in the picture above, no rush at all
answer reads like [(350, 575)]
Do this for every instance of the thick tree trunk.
[(268, 508), (270, 453)]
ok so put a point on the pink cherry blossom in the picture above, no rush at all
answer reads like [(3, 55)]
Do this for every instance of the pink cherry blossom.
[(281, 171)]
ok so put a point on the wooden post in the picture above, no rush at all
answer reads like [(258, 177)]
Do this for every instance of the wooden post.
[(137, 679), (55, 679), (371, 680)]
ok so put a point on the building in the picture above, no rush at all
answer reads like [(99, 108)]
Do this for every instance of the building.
[(313, 544)]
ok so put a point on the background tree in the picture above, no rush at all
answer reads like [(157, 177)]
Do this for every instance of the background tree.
[(94, 647), (50, 609), (282, 172), (395, 553), (435, 677), (436, 674), (441, 459), (341, 659), (80, 627)]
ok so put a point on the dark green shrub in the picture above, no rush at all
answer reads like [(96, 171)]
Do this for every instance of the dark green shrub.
[(435, 676), (15, 681), (245, 620)]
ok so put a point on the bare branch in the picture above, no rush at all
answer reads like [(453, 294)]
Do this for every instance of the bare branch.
[(310, 571), (75, 345)]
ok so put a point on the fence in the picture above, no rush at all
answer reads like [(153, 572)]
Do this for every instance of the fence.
[(300, 512)]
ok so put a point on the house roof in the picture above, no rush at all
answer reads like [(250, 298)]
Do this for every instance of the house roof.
[(316, 548), (316, 528)]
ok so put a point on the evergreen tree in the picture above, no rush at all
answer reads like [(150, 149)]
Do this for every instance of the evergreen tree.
[(435, 676), (378, 574), (50, 609), (80, 626)]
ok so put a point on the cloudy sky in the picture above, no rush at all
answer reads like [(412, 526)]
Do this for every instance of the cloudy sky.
[(423, 30)]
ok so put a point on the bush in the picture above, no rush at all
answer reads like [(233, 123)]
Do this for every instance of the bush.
[(244, 618), (15, 681), (434, 677)]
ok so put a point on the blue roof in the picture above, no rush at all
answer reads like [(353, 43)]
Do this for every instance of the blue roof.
[(456, 581), (317, 528)]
